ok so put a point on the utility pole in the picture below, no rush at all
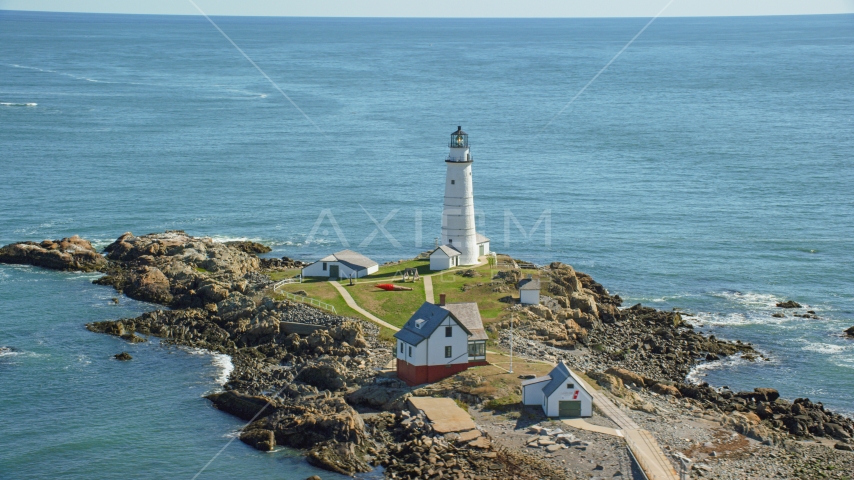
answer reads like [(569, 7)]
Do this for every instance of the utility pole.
[(512, 315)]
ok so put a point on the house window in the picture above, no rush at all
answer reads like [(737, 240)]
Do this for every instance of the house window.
[(324, 266), (452, 182), (450, 240), (401, 347), (570, 385), (448, 352), (449, 331), (410, 351), (477, 349)]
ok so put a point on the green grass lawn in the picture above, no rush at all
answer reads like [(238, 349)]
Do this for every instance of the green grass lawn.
[(393, 307), (289, 273), (324, 292), (451, 285), (390, 272)]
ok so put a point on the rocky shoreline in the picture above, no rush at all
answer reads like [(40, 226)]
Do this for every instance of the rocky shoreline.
[(307, 379)]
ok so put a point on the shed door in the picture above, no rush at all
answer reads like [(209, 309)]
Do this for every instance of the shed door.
[(569, 408), (333, 271)]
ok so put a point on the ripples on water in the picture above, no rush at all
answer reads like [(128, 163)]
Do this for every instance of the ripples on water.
[(707, 169)]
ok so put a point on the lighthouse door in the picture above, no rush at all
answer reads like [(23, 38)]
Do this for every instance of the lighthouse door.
[(333, 271)]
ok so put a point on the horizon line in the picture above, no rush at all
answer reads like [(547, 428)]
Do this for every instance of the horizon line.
[(425, 17)]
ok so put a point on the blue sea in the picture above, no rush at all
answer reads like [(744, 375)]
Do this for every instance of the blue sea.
[(709, 168)]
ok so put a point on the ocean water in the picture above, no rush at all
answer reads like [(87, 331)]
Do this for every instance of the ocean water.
[(709, 168)]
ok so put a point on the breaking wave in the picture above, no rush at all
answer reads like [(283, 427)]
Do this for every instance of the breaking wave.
[(697, 373), (225, 365), (10, 104), (220, 360), (826, 348)]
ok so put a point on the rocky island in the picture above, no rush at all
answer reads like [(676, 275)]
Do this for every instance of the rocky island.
[(309, 379)]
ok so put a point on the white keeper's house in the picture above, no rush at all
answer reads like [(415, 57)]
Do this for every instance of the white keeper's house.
[(458, 225), (560, 393), (343, 264), (439, 341)]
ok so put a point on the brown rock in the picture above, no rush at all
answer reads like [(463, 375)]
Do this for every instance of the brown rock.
[(242, 405), (259, 438), (628, 378), (149, 284), (72, 253), (249, 247), (789, 304), (664, 389)]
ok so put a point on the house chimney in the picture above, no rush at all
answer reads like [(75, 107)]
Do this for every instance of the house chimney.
[(441, 299)]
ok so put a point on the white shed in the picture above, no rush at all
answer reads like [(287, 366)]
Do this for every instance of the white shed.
[(560, 393), (341, 264), (444, 257), (482, 244), (529, 291)]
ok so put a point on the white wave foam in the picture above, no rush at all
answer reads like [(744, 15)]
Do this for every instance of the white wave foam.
[(699, 371), (827, 348), (226, 238), (220, 360), (8, 352), (750, 299), (736, 318), (223, 361), (9, 104), (84, 276)]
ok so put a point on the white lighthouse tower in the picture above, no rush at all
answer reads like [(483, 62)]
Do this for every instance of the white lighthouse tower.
[(458, 228)]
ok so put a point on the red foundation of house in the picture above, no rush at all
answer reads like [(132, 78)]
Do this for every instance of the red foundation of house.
[(417, 375)]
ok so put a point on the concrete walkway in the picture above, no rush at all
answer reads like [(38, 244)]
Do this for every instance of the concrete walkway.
[(428, 288), (607, 407), (581, 424), (647, 453), (355, 306), (445, 415)]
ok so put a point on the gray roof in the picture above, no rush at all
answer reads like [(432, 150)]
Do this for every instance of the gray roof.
[(559, 374), (529, 284), (352, 259), (536, 380), (469, 315), (480, 238), (447, 250), (429, 316)]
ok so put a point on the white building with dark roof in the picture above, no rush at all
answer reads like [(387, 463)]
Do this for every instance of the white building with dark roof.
[(529, 291), (560, 393), (444, 257), (439, 341), (343, 264)]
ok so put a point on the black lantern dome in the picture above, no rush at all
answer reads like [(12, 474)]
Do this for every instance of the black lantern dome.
[(459, 139)]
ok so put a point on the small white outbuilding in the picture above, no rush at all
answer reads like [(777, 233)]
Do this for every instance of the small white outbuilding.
[(343, 264), (529, 291), (560, 393), (482, 244), (444, 257)]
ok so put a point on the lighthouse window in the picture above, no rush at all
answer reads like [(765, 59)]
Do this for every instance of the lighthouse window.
[(452, 182)]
